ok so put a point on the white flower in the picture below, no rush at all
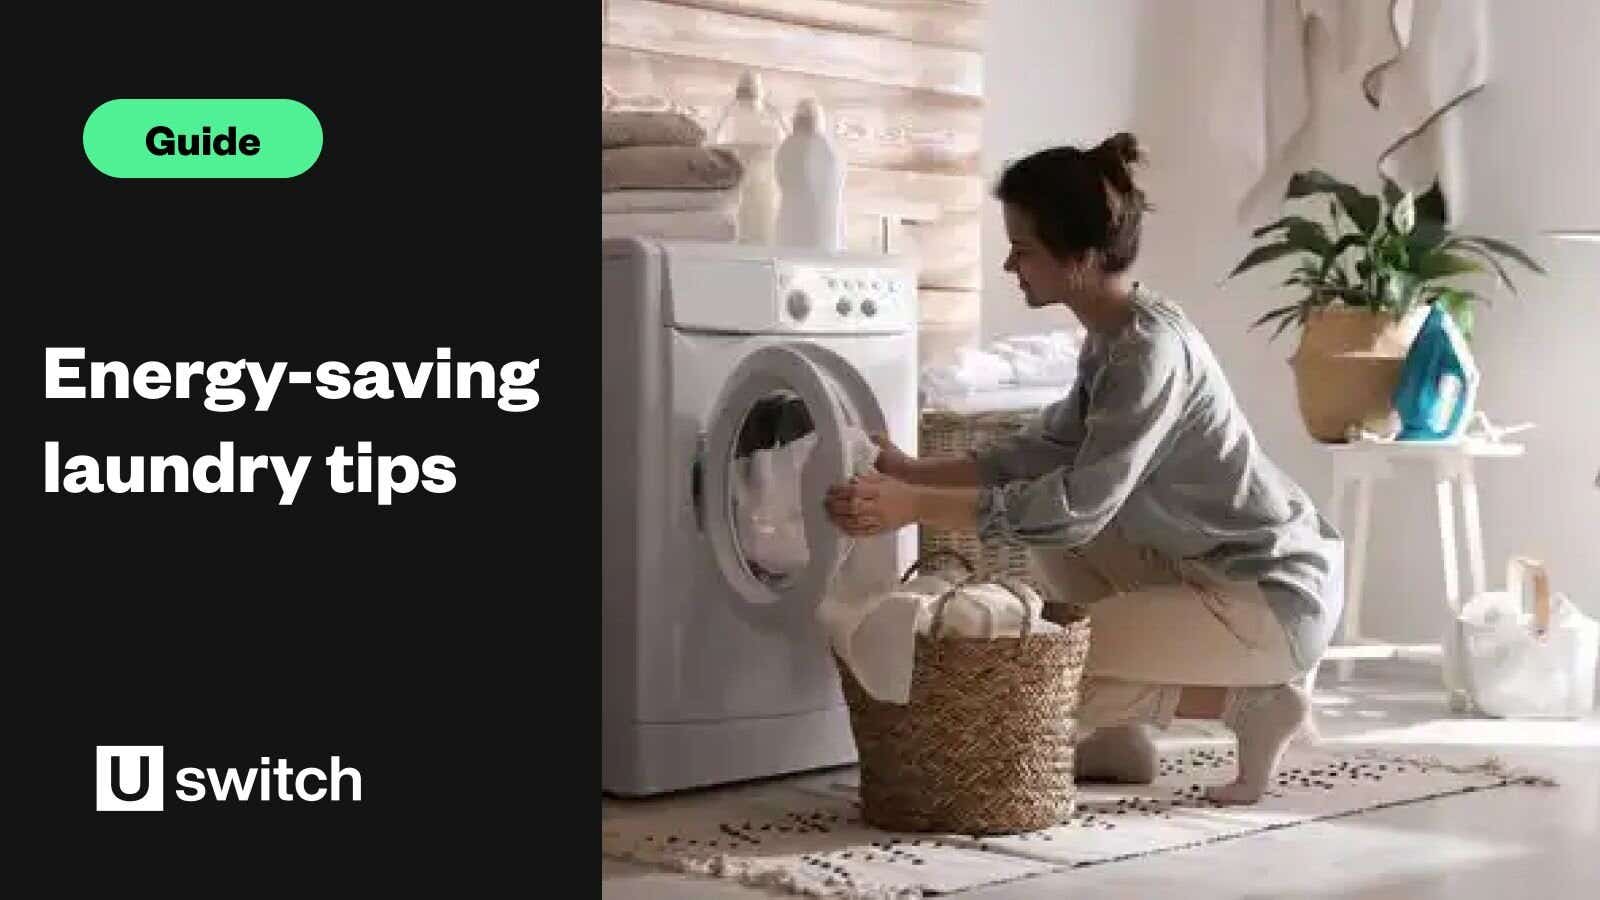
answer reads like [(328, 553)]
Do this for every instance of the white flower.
[(1405, 213)]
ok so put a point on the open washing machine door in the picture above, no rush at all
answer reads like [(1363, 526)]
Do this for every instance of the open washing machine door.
[(779, 393)]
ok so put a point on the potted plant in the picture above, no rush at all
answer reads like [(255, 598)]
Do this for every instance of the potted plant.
[(1375, 261)]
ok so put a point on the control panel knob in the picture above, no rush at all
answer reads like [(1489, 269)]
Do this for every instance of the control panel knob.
[(799, 304), (868, 308), (843, 306)]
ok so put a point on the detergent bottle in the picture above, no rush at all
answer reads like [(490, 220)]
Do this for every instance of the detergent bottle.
[(752, 129), (1438, 382), (811, 182)]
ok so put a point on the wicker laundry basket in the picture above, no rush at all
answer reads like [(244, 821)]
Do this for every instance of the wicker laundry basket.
[(985, 745), (946, 433)]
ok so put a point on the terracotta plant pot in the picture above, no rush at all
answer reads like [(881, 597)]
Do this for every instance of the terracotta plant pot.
[(1346, 369)]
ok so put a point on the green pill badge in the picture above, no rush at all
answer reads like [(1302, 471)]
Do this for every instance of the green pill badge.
[(202, 138)]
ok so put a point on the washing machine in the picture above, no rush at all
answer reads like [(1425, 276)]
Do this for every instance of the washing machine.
[(715, 669)]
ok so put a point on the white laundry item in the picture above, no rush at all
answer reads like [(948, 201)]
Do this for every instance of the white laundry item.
[(1442, 60), (641, 200), (1040, 359), (689, 224), (1029, 360), (769, 511), (874, 632), (767, 514), (1002, 400)]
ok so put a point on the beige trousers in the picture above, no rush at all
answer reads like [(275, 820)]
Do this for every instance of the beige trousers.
[(1158, 624)]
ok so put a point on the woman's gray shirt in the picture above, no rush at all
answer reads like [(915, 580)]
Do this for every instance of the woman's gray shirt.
[(1151, 441)]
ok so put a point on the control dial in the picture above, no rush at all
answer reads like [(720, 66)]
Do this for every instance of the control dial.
[(799, 304)]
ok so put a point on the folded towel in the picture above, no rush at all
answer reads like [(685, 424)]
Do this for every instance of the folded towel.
[(639, 128), (688, 225), (667, 201), (666, 168)]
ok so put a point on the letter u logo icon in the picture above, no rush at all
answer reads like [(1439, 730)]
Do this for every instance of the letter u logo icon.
[(118, 788), (116, 779)]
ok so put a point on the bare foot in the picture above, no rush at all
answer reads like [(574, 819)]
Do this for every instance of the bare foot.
[(1122, 754), (1264, 719)]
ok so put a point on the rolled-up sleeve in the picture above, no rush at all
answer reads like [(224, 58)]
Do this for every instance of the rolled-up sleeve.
[(1132, 406)]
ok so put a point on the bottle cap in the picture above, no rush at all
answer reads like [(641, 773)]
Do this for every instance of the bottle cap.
[(749, 86), (808, 116)]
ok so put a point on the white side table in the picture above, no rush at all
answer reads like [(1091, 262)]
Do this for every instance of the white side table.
[(1356, 468)]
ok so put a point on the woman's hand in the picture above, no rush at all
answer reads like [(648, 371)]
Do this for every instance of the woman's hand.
[(892, 461), (872, 504)]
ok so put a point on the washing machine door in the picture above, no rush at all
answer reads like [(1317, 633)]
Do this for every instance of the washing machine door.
[(821, 391)]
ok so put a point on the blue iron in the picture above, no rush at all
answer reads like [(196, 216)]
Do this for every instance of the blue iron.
[(1438, 382)]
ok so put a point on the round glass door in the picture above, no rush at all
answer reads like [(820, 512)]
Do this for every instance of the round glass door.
[(779, 439)]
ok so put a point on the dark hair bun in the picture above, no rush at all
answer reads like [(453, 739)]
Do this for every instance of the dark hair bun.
[(1122, 147), (1114, 156)]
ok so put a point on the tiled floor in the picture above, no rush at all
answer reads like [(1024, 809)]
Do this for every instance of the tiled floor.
[(1529, 843)]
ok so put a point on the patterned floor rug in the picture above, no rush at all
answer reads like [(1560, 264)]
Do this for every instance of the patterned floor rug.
[(805, 835)]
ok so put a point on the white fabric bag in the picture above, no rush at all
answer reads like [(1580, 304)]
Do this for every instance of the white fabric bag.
[(1519, 662)]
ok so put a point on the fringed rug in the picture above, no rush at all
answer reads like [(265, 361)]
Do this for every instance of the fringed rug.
[(805, 835)]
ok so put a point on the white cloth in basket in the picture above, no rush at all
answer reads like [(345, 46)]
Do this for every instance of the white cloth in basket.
[(875, 632)]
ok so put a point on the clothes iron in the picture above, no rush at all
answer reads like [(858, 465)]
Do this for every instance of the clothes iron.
[(1438, 382)]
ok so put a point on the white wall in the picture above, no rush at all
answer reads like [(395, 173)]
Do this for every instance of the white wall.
[(1073, 71)]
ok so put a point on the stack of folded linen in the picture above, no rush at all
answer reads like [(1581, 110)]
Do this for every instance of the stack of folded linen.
[(1022, 370), (658, 179)]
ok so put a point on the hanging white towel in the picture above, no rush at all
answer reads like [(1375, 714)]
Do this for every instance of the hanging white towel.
[(1442, 60), (1414, 60)]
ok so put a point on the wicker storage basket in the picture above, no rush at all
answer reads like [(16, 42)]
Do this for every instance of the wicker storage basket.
[(945, 433), (985, 745)]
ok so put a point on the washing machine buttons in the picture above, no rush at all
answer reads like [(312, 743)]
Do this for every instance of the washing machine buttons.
[(868, 308), (843, 306), (799, 304)]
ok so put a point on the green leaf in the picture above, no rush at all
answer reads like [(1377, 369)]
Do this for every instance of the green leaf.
[(1391, 191), (1431, 229), (1308, 235), (1458, 305), (1400, 291), (1431, 206), (1345, 243), (1363, 209), (1494, 261), (1440, 264), (1265, 230), (1275, 314), (1298, 317), (1263, 255), (1505, 249)]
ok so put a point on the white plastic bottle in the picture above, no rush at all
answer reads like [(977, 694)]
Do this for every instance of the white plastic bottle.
[(752, 130), (811, 181)]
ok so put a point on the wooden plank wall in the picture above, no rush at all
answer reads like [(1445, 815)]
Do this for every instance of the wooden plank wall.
[(901, 82)]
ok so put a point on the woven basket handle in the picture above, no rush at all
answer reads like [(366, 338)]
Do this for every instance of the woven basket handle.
[(937, 554), (1518, 570), (1003, 581)]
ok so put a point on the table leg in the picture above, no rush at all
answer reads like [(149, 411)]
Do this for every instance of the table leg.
[(1444, 488), (1474, 528), (1356, 575)]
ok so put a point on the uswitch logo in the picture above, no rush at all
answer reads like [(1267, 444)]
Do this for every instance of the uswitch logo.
[(131, 778)]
